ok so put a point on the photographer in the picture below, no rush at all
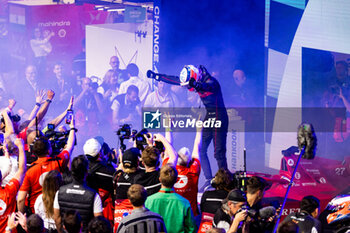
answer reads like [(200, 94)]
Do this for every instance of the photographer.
[(263, 220), (231, 214), (126, 107), (89, 109), (32, 184)]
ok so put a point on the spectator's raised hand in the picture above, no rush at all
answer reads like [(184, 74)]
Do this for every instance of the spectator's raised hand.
[(5, 111), (159, 137), (40, 96), (12, 104), (19, 143), (71, 101), (72, 122), (149, 139), (50, 94)]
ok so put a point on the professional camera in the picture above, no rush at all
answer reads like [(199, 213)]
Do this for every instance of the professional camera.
[(57, 139), (93, 85), (125, 132), (141, 141), (251, 213), (14, 118), (140, 137)]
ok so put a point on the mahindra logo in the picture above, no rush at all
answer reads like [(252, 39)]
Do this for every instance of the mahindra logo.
[(54, 24)]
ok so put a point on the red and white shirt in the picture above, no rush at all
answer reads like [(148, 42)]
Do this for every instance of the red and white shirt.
[(187, 182), (8, 202)]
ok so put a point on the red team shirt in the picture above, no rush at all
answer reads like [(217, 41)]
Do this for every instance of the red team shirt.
[(35, 175), (23, 135), (8, 202), (187, 182)]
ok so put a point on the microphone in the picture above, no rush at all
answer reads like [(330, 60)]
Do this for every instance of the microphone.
[(267, 212), (307, 140)]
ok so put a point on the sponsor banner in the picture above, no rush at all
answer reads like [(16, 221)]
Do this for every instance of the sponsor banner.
[(66, 22), (156, 21)]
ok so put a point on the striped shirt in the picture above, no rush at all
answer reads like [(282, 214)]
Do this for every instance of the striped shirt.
[(142, 221)]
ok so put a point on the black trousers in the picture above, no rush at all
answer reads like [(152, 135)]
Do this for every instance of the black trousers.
[(218, 136)]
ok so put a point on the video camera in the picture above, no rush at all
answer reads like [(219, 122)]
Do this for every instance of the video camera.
[(125, 132), (251, 212), (14, 118), (93, 85), (57, 139)]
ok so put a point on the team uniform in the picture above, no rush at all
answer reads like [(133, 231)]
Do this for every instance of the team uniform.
[(8, 202), (187, 183), (35, 175)]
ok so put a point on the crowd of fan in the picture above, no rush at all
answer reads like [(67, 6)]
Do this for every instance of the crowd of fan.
[(98, 100), (148, 189)]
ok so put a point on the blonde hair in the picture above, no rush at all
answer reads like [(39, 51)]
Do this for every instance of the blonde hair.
[(52, 182)]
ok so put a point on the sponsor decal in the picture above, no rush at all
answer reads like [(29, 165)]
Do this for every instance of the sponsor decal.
[(182, 181)]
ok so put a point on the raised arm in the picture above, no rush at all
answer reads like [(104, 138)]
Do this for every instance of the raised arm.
[(21, 197), (21, 161), (7, 164), (60, 117), (39, 97), (40, 115), (8, 123), (71, 136), (169, 136), (197, 144), (169, 149)]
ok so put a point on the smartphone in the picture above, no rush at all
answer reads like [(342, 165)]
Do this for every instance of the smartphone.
[(69, 116)]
